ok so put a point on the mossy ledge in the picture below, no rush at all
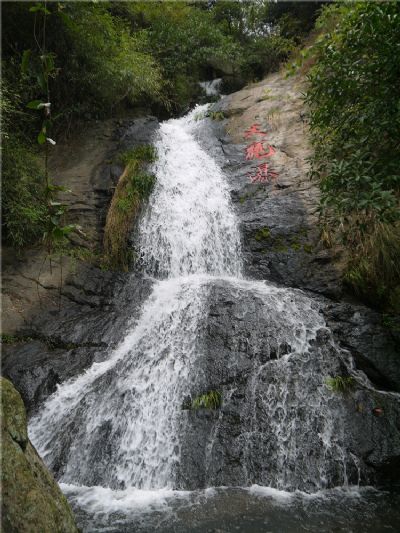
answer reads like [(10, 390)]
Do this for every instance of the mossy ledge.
[(31, 499), (133, 187)]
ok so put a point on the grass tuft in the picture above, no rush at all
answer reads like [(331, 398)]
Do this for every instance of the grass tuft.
[(210, 400), (340, 384), (374, 272)]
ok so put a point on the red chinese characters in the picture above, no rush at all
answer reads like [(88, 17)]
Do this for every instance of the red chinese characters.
[(263, 174), (259, 150), (255, 151), (254, 130)]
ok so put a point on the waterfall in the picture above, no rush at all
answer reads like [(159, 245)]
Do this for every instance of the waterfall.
[(121, 425), (211, 87), (189, 227), (118, 424)]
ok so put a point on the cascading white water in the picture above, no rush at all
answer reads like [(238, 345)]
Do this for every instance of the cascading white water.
[(132, 401), (119, 425), (211, 87), (189, 227)]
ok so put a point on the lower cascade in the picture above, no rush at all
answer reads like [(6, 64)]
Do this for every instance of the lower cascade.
[(129, 423)]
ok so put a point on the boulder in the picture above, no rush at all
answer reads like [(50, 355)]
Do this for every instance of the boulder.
[(31, 499)]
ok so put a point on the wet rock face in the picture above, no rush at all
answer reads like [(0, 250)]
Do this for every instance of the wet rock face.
[(375, 350), (60, 333), (277, 415), (31, 499), (279, 424), (281, 233), (63, 343), (278, 211), (279, 226)]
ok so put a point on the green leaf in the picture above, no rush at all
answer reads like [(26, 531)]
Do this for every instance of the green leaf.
[(41, 81), (41, 138), (68, 229), (57, 233), (34, 104), (39, 7), (25, 61), (60, 188)]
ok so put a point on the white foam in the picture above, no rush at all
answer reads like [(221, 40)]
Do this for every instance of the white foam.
[(189, 226), (280, 496), (103, 500), (211, 87)]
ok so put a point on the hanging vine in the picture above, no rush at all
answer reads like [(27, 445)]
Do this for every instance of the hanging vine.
[(40, 64)]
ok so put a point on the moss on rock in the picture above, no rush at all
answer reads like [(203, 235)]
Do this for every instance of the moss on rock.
[(31, 499), (262, 234), (134, 186)]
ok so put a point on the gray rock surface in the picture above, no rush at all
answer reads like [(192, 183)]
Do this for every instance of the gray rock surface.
[(279, 217), (59, 318), (277, 412)]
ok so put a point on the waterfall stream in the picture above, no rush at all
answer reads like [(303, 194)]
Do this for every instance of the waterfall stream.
[(120, 426)]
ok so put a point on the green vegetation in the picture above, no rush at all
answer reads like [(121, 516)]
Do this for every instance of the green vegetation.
[(134, 186), (24, 202), (280, 244), (77, 253), (341, 384), (66, 63), (353, 97), (210, 400), (308, 248), (392, 323), (262, 234), (7, 338), (216, 115)]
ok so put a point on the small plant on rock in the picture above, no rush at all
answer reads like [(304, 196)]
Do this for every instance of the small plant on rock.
[(340, 384), (209, 400)]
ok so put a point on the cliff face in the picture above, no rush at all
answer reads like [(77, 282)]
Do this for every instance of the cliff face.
[(277, 205), (31, 499), (267, 153), (58, 317)]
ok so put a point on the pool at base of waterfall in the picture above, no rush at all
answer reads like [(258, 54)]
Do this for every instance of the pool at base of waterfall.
[(225, 510)]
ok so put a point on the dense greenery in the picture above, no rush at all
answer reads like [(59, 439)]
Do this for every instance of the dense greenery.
[(354, 99)]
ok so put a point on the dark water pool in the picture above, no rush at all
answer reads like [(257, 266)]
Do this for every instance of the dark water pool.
[(227, 510)]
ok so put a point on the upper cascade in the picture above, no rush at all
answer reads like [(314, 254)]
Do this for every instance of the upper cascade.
[(189, 226)]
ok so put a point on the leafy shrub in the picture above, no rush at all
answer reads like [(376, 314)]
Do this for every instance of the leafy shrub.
[(145, 153), (265, 54), (355, 124), (24, 211), (100, 63), (186, 42)]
